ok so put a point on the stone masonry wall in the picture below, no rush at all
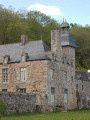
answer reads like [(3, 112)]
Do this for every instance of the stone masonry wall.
[(69, 67), (16, 102), (36, 78), (83, 92)]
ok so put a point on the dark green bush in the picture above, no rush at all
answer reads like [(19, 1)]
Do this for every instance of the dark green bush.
[(2, 107)]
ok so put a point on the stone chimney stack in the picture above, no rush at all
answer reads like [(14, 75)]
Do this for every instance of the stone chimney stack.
[(56, 48), (23, 39)]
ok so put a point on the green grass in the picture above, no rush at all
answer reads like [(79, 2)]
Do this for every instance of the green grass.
[(70, 115)]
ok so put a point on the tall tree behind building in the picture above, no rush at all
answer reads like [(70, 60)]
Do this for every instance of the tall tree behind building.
[(38, 26)]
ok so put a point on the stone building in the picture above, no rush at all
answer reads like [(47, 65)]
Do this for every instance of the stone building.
[(83, 89), (32, 67)]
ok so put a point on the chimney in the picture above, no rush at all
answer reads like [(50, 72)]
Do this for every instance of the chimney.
[(55, 40), (56, 48), (23, 39)]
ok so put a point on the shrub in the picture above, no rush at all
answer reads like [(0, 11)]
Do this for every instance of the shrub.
[(2, 107), (58, 108), (17, 109)]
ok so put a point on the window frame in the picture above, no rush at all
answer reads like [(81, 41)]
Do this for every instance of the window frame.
[(4, 90), (76, 86), (22, 90), (65, 76), (82, 87), (53, 96), (5, 75), (65, 96), (23, 74), (52, 74)]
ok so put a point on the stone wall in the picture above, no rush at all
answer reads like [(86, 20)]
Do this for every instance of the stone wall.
[(17, 102), (36, 78), (83, 93)]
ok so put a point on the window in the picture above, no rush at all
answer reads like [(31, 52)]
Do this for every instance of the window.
[(23, 74), (5, 60), (72, 78), (71, 95), (76, 86), (82, 87), (5, 74), (65, 96), (71, 63), (88, 102), (83, 102), (64, 59), (22, 90), (24, 56), (52, 74), (4, 90), (65, 76), (82, 80), (52, 96)]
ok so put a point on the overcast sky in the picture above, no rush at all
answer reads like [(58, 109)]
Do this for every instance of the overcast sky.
[(74, 11)]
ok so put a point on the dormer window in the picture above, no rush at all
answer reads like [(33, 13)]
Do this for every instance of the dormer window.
[(6, 59), (24, 57)]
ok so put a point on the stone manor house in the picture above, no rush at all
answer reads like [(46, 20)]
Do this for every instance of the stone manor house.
[(32, 67)]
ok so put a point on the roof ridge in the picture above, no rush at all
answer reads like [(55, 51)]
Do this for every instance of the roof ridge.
[(19, 42)]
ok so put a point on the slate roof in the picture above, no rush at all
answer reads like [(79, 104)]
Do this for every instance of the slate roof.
[(36, 50), (82, 76), (67, 39)]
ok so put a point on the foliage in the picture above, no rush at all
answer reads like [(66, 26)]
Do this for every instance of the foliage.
[(2, 107), (17, 109), (82, 37), (38, 26)]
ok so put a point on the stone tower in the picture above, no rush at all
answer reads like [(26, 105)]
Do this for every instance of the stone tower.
[(68, 67), (61, 83)]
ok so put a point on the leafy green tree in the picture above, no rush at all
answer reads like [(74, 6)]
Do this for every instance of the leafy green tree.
[(38, 26)]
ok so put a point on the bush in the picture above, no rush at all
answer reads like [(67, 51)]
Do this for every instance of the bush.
[(58, 108), (2, 107)]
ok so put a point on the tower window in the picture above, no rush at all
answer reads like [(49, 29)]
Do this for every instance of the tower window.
[(76, 86), (72, 78), (65, 76), (52, 74), (71, 63), (82, 87), (65, 96)]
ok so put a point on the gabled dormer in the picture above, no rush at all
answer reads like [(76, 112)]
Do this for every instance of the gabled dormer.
[(6, 59), (24, 57)]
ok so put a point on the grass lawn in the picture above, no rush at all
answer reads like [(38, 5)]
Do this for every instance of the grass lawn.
[(70, 115)]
